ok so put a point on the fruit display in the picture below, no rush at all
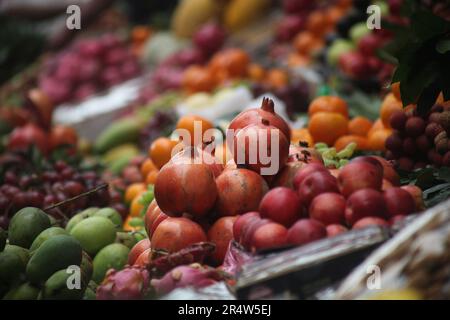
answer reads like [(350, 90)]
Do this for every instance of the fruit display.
[(261, 149)]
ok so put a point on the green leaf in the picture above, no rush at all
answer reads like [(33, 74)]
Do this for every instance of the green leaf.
[(426, 25)]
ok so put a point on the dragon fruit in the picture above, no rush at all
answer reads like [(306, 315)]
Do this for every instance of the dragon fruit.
[(193, 275), (130, 283)]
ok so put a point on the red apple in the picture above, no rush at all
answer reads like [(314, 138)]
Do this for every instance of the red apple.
[(305, 231), (416, 193), (248, 230), (359, 175), (315, 184), (269, 235), (398, 202), (241, 221), (364, 203), (281, 205), (137, 250), (370, 221), (328, 208), (368, 44), (335, 229), (354, 64), (303, 172)]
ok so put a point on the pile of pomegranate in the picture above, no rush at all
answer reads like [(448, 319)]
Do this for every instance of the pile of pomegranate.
[(302, 201)]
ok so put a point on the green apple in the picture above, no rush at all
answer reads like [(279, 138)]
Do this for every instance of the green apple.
[(358, 31), (338, 48)]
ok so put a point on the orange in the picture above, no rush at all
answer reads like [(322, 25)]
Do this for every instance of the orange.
[(133, 190), (140, 33), (345, 4), (136, 207), (161, 151), (327, 127), (395, 88), (389, 105), (333, 15), (151, 177), (317, 23), (193, 123), (297, 60), (377, 125), (306, 42), (233, 61), (328, 104), (359, 126), (277, 78), (361, 142), (198, 79), (303, 134), (147, 166), (256, 72), (378, 138)]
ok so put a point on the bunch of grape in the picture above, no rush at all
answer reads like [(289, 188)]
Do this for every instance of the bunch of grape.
[(332, 158), (420, 140), (87, 67), (23, 184)]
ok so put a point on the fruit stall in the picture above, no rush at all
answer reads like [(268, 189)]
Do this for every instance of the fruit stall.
[(232, 149)]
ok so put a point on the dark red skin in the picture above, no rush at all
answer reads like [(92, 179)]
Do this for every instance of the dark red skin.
[(253, 116), (335, 229), (305, 171), (28, 135), (372, 160), (398, 202), (257, 135), (364, 203), (137, 250), (239, 191), (144, 258), (249, 229), (221, 233), (305, 231), (185, 188), (328, 208), (242, 221), (269, 235), (315, 184), (359, 175), (281, 205), (370, 221), (285, 178), (174, 234)]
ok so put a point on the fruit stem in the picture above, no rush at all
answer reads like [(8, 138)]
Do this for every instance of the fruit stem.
[(267, 105), (87, 193)]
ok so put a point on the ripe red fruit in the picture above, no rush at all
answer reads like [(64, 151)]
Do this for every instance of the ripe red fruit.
[(373, 160), (249, 229), (398, 202), (221, 233), (209, 38), (359, 175), (370, 221), (415, 126), (305, 171), (394, 142), (398, 120), (144, 258), (137, 250), (434, 157), (315, 184), (281, 205), (241, 221), (288, 27), (354, 64), (389, 172), (409, 146), (328, 208), (364, 203), (335, 229), (26, 136), (368, 44), (423, 143), (174, 234), (305, 231), (269, 235), (405, 163)]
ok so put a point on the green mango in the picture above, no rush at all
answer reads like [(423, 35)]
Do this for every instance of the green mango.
[(3, 237), (113, 256), (23, 253), (90, 292), (94, 233), (126, 238), (11, 270), (80, 216), (53, 221), (86, 267), (45, 235), (120, 132), (112, 215), (25, 291), (140, 235), (56, 253), (26, 225), (57, 287)]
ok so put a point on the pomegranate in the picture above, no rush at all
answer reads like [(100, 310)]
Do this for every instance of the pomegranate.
[(185, 186), (239, 191), (304, 154), (203, 156), (153, 217), (281, 205), (144, 258), (26, 136), (254, 116), (221, 233), (253, 146), (174, 234)]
